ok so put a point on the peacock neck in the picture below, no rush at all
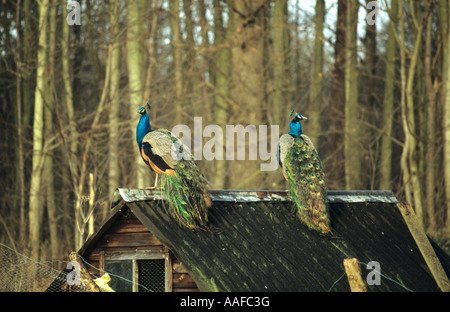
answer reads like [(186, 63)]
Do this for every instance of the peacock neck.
[(295, 128), (142, 129)]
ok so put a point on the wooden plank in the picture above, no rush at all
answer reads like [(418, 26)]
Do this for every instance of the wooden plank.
[(168, 286), (353, 272), (101, 262), (183, 281), (129, 225), (95, 254), (135, 276), (128, 240), (178, 267), (137, 255), (92, 268), (186, 290), (417, 232)]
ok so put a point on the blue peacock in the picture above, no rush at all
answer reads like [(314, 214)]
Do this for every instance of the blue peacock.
[(184, 185), (302, 168)]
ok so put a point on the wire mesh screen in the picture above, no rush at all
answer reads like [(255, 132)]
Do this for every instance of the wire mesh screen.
[(19, 273), (122, 274), (151, 275)]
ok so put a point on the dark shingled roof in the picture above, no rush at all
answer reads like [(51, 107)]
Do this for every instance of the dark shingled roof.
[(264, 247)]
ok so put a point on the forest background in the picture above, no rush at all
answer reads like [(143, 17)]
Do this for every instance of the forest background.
[(376, 90)]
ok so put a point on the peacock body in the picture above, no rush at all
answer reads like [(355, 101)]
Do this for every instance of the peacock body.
[(302, 168), (182, 182)]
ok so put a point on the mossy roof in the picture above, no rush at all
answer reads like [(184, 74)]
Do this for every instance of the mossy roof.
[(264, 247)]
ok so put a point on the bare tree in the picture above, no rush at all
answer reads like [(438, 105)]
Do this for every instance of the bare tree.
[(38, 134), (352, 116)]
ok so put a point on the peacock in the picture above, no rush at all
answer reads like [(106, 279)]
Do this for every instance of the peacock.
[(182, 182), (302, 168)]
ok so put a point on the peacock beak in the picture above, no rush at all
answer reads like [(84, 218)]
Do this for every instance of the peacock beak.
[(304, 118)]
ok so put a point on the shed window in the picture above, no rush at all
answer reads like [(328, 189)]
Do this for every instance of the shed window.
[(136, 273), (151, 275), (122, 274)]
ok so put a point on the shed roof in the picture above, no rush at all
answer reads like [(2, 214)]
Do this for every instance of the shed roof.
[(264, 247)]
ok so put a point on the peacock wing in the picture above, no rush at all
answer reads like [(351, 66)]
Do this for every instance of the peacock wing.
[(309, 142), (167, 146), (285, 143)]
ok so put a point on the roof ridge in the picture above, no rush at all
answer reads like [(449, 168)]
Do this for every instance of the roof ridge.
[(334, 196)]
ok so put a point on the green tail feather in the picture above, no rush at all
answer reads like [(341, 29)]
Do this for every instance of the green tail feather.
[(187, 194), (307, 188)]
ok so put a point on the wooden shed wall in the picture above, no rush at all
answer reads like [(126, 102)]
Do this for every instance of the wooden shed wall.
[(128, 235)]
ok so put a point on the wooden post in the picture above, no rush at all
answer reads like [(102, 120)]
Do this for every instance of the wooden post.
[(427, 251), (354, 275), (85, 277)]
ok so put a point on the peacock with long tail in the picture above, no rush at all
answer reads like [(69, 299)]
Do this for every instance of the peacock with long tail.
[(182, 182), (302, 168)]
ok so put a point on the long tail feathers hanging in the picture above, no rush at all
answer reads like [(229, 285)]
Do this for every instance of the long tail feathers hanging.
[(307, 187), (187, 193)]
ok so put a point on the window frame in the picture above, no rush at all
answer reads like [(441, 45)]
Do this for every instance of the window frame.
[(136, 255)]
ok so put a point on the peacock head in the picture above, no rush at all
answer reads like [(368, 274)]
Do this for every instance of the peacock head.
[(295, 128), (143, 126), (142, 111)]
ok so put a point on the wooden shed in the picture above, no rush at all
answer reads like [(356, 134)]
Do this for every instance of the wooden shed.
[(263, 246)]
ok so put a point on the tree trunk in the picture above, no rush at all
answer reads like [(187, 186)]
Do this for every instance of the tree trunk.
[(410, 124), (29, 50), (316, 99), (71, 139), (431, 133), (352, 115), (446, 118), (278, 56), (174, 8), (222, 80), (335, 169), (72, 147), (192, 94), (48, 178), (114, 97), (409, 161), (444, 12), (404, 158), (152, 63), (20, 171), (134, 64), (38, 132), (370, 106), (247, 87), (204, 63), (388, 102)]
